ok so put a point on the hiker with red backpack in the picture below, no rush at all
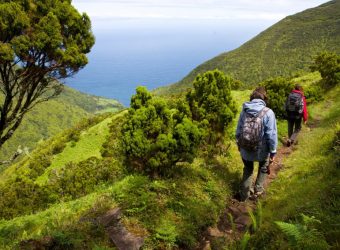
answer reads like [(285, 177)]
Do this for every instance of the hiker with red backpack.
[(256, 137), (296, 108)]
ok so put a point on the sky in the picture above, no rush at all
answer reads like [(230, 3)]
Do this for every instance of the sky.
[(194, 9)]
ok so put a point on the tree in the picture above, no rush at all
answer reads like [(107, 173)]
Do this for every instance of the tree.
[(211, 104), (328, 64), (41, 42)]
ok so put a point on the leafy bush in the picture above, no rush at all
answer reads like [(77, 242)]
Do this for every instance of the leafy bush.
[(278, 90), (152, 140), (112, 146), (313, 94), (211, 104), (328, 64), (76, 180)]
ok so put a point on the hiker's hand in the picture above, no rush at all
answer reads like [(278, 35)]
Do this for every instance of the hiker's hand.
[(305, 122)]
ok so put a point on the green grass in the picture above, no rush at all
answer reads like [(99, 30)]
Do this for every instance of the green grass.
[(173, 212), (63, 218), (309, 182), (50, 118), (306, 80), (89, 145)]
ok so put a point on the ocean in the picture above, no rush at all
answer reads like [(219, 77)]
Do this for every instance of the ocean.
[(154, 52)]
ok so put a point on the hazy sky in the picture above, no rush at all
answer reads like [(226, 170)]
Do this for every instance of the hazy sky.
[(194, 9)]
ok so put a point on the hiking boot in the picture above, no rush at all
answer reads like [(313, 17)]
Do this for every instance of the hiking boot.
[(239, 197), (288, 143), (256, 195)]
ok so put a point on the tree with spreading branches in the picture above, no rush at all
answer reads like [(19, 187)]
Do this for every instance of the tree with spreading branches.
[(41, 43)]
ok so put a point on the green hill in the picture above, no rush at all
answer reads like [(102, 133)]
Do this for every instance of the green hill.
[(49, 118), (62, 189), (286, 47)]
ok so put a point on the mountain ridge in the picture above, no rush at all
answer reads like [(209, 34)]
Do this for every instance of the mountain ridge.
[(282, 49)]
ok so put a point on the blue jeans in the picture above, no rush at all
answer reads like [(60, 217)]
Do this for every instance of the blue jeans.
[(248, 177)]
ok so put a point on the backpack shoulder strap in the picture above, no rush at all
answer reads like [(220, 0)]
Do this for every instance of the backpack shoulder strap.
[(263, 112)]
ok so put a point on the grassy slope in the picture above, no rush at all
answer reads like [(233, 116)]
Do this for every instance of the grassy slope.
[(88, 145), (282, 49), (173, 211), (54, 116)]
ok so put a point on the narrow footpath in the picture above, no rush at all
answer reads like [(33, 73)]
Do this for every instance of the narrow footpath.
[(235, 220)]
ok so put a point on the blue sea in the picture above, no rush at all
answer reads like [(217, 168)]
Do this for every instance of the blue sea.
[(154, 52)]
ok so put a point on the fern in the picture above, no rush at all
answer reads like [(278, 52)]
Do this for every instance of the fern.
[(291, 230), (309, 220), (303, 235)]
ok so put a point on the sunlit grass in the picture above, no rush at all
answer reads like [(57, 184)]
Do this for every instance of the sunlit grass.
[(89, 145)]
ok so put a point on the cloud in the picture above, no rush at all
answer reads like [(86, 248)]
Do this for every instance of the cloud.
[(194, 9)]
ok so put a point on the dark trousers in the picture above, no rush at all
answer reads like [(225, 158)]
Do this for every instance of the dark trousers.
[(248, 177), (294, 127)]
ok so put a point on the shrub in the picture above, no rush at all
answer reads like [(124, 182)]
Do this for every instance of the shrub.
[(211, 104), (328, 64), (152, 140), (278, 90), (112, 146), (78, 179), (313, 94)]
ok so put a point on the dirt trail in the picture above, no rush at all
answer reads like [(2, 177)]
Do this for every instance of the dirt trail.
[(233, 229)]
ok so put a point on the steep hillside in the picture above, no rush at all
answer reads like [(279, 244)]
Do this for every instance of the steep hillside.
[(284, 48), (49, 118), (67, 193)]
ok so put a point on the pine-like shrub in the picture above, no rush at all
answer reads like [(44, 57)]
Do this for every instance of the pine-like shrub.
[(328, 64), (152, 140), (278, 90), (211, 104)]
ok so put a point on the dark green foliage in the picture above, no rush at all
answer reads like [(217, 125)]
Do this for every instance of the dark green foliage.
[(313, 94), (286, 47), (22, 196), (211, 104), (277, 90), (236, 84), (153, 141), (112, 147), (78, 179), (175, 211), (40, 42), (328, 64)]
